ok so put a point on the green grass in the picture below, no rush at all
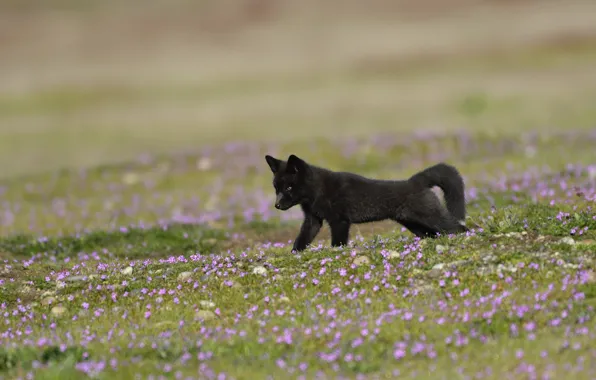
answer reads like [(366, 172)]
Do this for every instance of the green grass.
[(131, 242), (102, 244)]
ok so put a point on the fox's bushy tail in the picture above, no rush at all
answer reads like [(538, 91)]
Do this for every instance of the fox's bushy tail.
[(446, 177)]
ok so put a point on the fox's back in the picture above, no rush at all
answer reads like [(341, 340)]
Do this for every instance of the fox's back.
[(360, 199)]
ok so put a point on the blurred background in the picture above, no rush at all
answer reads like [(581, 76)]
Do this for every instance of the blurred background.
[(98, 81)]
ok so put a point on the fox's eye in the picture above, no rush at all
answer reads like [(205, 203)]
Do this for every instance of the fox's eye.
[(288, 188)]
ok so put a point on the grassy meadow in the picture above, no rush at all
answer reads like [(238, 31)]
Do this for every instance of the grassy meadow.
[(139, 240)]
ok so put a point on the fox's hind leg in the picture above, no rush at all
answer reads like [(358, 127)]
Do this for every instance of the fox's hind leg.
[(427, 217), (425, 228), (430, 226), (417, 229), (340, 232), (448, 224)]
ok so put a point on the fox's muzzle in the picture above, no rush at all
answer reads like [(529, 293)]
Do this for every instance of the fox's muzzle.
[(278, 200)]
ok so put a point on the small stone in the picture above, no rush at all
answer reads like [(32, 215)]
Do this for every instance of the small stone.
[(284, 299), (513, 234), (48, 301), (184, 276), (108, 205), (48, 293), (205, 315), (126, 271), (541, 238), (58, 311), (458, 263), (567, 240), (484, 271), (393, 255), (163, 167), (424, 289), (440, 248), (503, 268), (131, 178), (586, 242), (589, 276), (211, 204), (75, 278), (361, 260), (434, 273), (439, 266), (530, 151), (234, 284), (92, 277), (26, 289), (204, 163), (259, 270), (206, 304), (159, 325)]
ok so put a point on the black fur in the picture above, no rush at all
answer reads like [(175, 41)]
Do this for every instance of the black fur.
[(342, 199)]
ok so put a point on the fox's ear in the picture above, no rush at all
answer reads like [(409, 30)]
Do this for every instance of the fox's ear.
[(296, 165), (273, 163)]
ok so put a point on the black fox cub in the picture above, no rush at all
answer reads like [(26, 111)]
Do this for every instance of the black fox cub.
[(342, 199)]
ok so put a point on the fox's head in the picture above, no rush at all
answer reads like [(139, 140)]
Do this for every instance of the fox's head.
[(290, 180)]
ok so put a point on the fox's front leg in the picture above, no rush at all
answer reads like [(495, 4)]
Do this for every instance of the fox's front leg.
[(309, 230)]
